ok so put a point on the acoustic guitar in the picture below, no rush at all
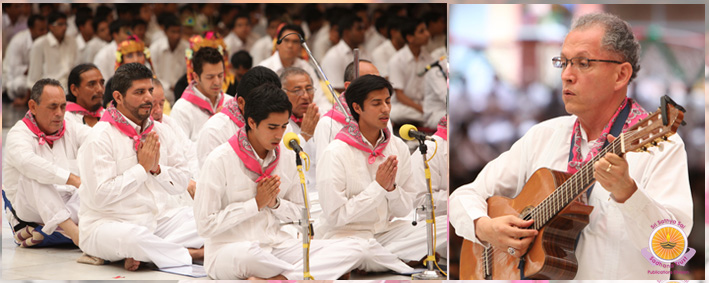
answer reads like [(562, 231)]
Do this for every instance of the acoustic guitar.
[(550, 198)]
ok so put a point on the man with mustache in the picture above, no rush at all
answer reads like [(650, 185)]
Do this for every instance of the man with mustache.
[(40, 174), (598, 60), (85, 95), (131, 164), (365, 180)]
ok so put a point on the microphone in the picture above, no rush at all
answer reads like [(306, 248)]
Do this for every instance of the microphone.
[(292, 142), (429, 66), (409, 133), (278, 42)]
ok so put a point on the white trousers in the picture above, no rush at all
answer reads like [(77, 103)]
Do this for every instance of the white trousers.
[(46, 204), (409, 242), (166, 247), (329, 259)]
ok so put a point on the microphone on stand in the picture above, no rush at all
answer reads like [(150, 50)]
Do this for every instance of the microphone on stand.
[(429, 66), (292, 142), (410, 132)]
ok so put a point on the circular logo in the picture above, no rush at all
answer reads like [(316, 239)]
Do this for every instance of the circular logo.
[(668, 243)]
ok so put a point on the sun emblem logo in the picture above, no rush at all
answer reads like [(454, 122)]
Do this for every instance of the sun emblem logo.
[(668, 243)]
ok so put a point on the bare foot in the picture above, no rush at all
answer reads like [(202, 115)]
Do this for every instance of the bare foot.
[(131, 264), (345, 276), (196, 253)]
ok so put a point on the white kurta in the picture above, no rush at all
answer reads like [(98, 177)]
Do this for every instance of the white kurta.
[(403, 74), (336, 60), (188, 146), (262, 49), (355, 205), (243, 241), (234, 43), (216, 131), (609, 247), (381, 56), (51, 59), (121, 202), (105, 59), (321, 42), (169, 64), (92, 48), (76, 118), (80, 46), (435, 101), (373, 39), (35, 176), (190, 117), (309, 148), (15, 65)]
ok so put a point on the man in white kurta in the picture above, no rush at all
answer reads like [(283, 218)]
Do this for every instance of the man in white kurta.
[(240, 37), (363, 185), (85, 95), (383, 52), (168, 56), (247, 189), (223, 125), (16, 62), (338, 56), (105, 58), (40, 175), (263, 47), (435, 100), (130, 167), (404, 69), (53, 54), (630, 193), (101, 38), (204, 96)]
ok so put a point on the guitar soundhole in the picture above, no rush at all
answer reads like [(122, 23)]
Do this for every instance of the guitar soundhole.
[(526, 213)]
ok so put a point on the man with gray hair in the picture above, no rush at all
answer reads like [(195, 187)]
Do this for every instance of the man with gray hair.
[(40, 173), (598, 59)]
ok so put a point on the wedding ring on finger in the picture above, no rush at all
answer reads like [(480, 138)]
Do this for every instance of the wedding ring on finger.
[(511, 251)]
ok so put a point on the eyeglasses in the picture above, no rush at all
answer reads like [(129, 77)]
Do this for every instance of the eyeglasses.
[(299, 92), (581, 63)]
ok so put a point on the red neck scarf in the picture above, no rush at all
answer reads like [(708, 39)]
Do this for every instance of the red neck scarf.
[(240, 144), (351, 135), (76, 108), (190, 96), (231, 109), (49, 139), (296, 119), (336, 114), (116, 118), (442, 128), (636, 114)]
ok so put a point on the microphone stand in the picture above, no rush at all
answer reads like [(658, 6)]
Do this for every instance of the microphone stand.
[(322, 74), (304, 222), (430, 273)]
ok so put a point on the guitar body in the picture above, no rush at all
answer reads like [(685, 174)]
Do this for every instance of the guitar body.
[(550, 255)]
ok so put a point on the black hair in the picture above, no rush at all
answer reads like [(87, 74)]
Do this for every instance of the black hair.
[(108, 93), (115, 26), (408, 27), (431, 16), (33, 19), (265, 99), (241, 58), (346, 23), (360, 88), (126, 74), (381, 22), (358, 7), (103, 11), (206, 55), (349, 70), (170, 20), (75, 79), (292, 27), (238, 16), (311, 13), (394, 23), (38, 88), (137, 22), (255, 77), (83, 15), (55, 16), (334, 14)]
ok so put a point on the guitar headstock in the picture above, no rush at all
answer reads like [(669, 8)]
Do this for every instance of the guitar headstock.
[(656, 128)]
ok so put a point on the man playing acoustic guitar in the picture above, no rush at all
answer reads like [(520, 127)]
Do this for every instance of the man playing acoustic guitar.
[(598, 59)]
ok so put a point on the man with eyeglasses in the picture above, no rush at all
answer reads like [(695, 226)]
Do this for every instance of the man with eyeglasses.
[(51, 55), (599, 58)]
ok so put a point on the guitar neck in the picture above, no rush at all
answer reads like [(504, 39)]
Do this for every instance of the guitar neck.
[(574, 186)]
